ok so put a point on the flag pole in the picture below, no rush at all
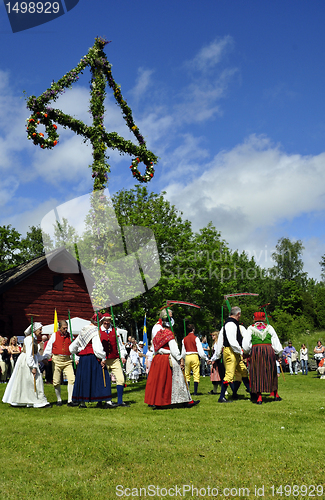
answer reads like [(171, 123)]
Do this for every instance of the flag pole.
[(100, 339), (71, 338)]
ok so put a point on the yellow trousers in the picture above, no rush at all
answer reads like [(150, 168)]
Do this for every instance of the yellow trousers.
[(114, 366), (62, 364), (234, 365), (192, 362)]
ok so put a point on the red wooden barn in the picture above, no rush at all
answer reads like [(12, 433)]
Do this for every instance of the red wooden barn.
[(33, 288)]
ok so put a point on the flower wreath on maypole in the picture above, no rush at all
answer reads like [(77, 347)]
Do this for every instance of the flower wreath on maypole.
[(45, 115)]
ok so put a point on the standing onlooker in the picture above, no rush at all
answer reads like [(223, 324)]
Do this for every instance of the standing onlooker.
[(319, 352), (304, 359), (14, 350), (205, 370), (135, 362), (291, 355), (4, 359)]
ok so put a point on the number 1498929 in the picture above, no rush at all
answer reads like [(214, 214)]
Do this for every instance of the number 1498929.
[(295, 490), (33, 7)]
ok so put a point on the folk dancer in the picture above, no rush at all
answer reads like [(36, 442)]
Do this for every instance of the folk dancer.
[(229, 346), (166, 384), (25, 387), (192, 351), (263, 343), (93, 383), (57, 348), (113, 351)]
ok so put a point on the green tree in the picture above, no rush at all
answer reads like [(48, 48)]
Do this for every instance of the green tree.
[(10, 247), (288, 261), (32, 245)]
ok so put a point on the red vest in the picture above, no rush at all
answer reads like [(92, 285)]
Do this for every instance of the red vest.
[(87, 350), (190, 343), (61, 344), (109, 344)]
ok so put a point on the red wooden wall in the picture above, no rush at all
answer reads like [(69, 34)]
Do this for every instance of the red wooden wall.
[(35, 295)]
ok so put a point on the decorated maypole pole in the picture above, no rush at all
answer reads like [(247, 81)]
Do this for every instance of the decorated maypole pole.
[(101, 215)]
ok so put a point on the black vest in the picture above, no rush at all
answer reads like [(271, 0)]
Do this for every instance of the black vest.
[(239, 336)]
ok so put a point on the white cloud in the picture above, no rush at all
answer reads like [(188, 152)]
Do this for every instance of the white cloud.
[(247, 191), (211, 54), (142, 84)]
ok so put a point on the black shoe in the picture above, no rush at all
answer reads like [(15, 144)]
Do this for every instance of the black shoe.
[(109, 405), (192, 403), (224, 400), (277, 398), (72, 403), (123, 404), (258, 402), (235, 397), (82, 405), (99, 404), (59, 403)]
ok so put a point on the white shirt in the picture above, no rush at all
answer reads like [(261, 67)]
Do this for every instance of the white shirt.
[(231, 331), (247, 340)]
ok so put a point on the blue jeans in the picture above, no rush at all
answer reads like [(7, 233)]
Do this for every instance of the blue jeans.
[(304, 366)]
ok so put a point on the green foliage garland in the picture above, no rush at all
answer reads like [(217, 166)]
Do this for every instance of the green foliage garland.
[(43, 114)]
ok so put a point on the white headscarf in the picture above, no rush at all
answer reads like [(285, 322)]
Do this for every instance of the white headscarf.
[(36, 326)]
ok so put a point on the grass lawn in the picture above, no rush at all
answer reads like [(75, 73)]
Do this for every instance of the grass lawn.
[(71, 453)]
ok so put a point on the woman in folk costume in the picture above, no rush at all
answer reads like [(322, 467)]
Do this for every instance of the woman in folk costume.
[(92, 382), (166, 384), (25, 387), (263, 343)]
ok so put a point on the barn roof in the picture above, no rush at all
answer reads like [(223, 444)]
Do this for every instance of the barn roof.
[(15, 275)]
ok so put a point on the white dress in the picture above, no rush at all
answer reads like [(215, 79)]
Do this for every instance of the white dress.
[(135, 361), (20, 390)]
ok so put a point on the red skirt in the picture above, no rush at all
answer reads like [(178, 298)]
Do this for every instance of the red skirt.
[(159, 382)]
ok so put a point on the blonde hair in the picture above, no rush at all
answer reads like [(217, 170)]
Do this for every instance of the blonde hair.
[(13, 338), (216, 333)]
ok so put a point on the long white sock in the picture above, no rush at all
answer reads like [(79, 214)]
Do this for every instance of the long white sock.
[(70, 391), (58, 393)]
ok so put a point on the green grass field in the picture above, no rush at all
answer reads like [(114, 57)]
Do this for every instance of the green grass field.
[(71, 453)]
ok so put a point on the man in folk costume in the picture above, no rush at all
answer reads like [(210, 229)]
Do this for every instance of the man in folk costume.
[(116, 353), (58, 348), (192, 351), (263, 343), (166, 384), (229, 345), (93, 382)]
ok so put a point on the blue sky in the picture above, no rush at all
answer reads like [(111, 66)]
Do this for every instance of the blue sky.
[(229, 95)]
